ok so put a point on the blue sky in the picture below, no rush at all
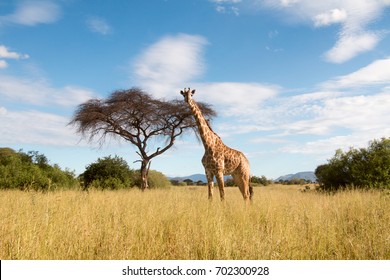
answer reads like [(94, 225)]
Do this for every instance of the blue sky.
[(291, 80)]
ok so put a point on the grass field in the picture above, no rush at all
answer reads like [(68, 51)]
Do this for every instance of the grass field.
[(180, 223)]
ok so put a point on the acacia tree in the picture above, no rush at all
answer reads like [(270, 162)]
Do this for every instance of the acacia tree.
[(136, 117)]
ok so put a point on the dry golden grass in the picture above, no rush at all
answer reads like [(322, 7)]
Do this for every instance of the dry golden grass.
[(180, 223)]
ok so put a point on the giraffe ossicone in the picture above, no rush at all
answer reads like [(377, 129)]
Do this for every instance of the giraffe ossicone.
[(218, 159)]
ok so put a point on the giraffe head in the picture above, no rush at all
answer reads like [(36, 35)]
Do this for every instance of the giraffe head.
[(187, 93)]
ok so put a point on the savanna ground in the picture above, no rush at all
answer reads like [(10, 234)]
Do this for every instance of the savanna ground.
[(180, 223)]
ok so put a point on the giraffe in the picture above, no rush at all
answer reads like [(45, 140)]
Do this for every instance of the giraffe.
[(219, 159)]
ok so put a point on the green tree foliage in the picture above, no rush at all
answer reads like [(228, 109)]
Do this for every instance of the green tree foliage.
[(361, 168), (229, 182), (108, 173), (32, 171), (114, 173), (261, 180), (189, 182), (201, 183), (254, 181), (156, 179), (295, 181)]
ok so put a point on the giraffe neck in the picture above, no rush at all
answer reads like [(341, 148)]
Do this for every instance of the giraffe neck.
[(206, 134)]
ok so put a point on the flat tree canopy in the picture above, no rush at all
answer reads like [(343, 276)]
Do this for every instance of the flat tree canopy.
[(138, 118)]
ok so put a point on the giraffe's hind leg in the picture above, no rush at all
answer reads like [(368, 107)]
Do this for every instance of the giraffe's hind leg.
[(221, 185), (242, 181)]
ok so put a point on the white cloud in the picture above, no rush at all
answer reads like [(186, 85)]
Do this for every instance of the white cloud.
[(286, 3), (175, 62), (376, 73), (33, 12), (338, 107), (227, 10), (354, 18), (350, 45), (170, 63), (72, 95), (326, 146), (331, 17), (339, 116), (220, 9), (319, 126), (227, 6), (3, 64), (40, 92), (98, 25), (239, 99), (33, 127), (5, 53), (356, 113), (3, 111)]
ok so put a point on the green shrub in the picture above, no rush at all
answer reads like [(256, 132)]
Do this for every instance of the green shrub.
[(109, 183), (260, 180), (358, 168), (108, 173), (156, 179), (31, 171)]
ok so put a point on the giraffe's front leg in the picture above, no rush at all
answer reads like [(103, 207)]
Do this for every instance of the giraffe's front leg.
[(210, 183)]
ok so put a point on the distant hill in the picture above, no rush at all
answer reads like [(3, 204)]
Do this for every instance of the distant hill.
[(307, 175), (194, 178)]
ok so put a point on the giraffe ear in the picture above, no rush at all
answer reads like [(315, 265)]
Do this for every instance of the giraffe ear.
[(182, 92), (193, 92)]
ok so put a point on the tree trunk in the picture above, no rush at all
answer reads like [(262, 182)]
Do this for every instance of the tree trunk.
[(145, 165)]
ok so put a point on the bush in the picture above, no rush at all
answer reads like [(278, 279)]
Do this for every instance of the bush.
[(261, 180), (19, 170), (230, 182), (295, 181), (358, 168), (156, 179), (108, 173), (110, 183)]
